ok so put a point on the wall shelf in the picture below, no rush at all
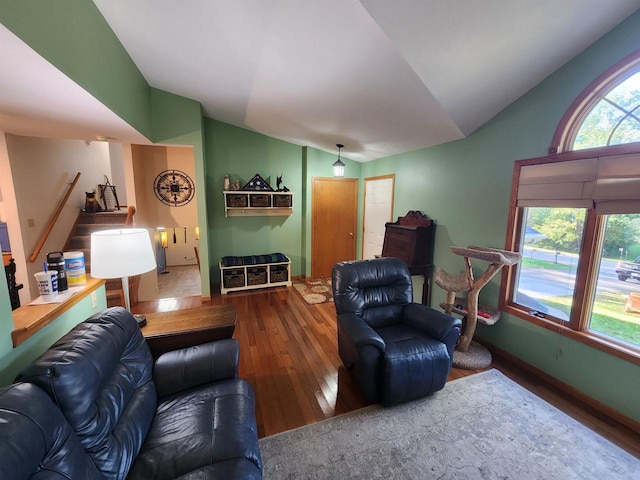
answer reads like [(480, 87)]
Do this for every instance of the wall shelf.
[(257, 203)]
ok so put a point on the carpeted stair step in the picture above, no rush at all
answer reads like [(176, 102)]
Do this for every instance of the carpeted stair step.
[(81, 240), (117, 217), (80, 243), (114, 298), (113, 290), (86, 229)]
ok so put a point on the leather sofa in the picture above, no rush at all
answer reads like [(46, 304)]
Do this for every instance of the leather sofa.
[(396, 350), (95, 406)]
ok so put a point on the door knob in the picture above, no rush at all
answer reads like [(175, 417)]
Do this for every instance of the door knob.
[(351, 234)]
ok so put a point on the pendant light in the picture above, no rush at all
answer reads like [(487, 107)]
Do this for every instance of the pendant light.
[(338, 165)]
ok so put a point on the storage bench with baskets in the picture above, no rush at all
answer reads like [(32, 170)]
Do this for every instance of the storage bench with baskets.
[(254, 271)]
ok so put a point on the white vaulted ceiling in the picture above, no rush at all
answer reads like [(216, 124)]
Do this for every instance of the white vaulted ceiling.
[(382, 77)]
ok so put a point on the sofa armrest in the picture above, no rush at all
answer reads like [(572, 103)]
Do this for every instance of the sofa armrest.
[(359, 331), (434, 323), (189, 367)]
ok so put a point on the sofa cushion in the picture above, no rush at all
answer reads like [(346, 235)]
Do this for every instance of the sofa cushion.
[(204, 430), (254, 260), (35, 439), (100, 375)]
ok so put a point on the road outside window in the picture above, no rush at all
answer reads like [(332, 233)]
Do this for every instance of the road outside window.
[(550, 252), (615, 308), (546, 279)]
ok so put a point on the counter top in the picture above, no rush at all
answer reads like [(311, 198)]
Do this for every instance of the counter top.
[(28, 319)]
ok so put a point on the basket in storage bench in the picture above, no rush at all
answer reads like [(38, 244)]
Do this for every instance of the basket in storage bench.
[(254, 271)]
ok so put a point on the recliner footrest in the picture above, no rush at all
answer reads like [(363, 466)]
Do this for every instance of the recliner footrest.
[(414, 367)]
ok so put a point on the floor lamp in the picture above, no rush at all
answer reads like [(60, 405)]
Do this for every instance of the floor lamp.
[(122, 253), (164, 243)]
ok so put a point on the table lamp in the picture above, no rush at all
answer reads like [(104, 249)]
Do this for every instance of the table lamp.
[(122, 253)]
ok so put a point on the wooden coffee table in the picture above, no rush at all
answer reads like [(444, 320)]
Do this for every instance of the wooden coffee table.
[(166, 331)]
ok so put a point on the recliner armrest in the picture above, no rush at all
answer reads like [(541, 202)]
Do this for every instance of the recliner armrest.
[(436, 324), (360, 332), (189, 367)]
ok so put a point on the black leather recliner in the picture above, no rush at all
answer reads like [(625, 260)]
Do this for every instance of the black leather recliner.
[(96, 406), (396, 350)]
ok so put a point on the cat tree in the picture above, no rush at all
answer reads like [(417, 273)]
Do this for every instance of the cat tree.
[(468, 307)]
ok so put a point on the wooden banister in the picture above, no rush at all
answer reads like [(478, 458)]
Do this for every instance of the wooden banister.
[(54, 219)]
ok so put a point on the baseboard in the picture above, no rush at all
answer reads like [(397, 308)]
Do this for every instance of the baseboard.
[(565, 388)]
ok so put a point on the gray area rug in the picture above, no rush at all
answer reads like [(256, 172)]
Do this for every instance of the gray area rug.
[(483, 426)]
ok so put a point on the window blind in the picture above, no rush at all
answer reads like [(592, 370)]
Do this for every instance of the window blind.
[(610, 184)]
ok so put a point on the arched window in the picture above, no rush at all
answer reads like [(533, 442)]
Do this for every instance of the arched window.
[(575, 218), (615, 119), (606, 113)]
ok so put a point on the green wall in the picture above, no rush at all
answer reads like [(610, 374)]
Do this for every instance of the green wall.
[(6, 319), (465, 186), (14, 360), (73, 36), (242, 154)]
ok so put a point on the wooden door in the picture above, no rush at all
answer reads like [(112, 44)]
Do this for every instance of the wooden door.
[(334, 211), (378, 210)]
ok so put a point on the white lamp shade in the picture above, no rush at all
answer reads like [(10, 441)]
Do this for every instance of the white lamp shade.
[(121, 253)]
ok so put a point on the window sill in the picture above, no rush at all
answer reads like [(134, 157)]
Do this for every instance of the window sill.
[(592, 339), (29, 319)]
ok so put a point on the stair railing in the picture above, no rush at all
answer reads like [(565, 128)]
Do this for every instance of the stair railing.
[(54, 219)]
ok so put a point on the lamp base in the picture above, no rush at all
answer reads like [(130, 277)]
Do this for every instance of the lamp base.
[(141, 319)]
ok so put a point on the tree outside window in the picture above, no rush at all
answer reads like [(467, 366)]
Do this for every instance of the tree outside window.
[(579, 275)]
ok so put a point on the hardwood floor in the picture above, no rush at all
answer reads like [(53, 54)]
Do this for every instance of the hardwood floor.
[(288, 352)]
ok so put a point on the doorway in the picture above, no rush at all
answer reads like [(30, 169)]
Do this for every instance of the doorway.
[(334, 207), (178, 273), (378, 210), (158, 173)]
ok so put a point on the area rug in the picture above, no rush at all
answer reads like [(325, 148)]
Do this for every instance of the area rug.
[(483, 426), (315, 292)]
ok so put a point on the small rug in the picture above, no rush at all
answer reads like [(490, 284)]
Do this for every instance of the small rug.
[(315, 292), (483, 426)]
